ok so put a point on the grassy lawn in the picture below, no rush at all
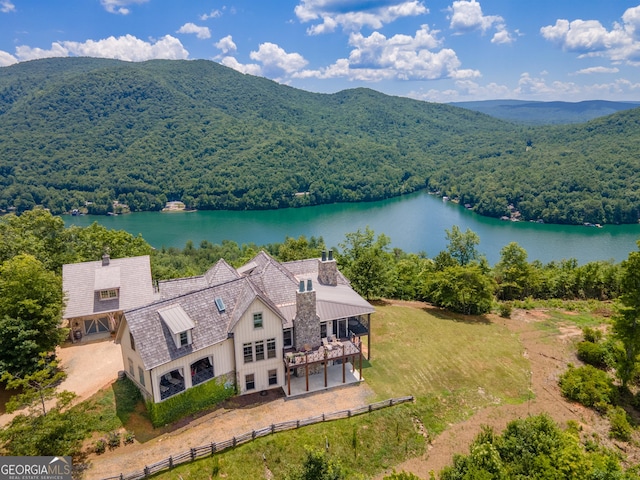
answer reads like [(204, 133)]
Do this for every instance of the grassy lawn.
[(452, 364)]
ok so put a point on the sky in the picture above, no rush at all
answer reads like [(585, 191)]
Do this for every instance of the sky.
[(433, 50)]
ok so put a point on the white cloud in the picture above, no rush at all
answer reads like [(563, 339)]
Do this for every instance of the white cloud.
[(403, 57), (249, 68), (127, 48), (589, 38), (502, 36), (354, 14), (6, 6), (226, 44), (7, 59), (120, 6), (201, 32), (273, 57), (588, 71), (212, 14)]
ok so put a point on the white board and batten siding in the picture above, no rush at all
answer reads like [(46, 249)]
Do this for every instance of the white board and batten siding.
[(221, 355), (131, 360), (244, 332)]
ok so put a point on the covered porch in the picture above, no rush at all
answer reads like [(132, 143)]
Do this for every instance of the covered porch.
[(331, 365)]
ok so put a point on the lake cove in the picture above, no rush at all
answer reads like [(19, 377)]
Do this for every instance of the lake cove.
[(415, 223)]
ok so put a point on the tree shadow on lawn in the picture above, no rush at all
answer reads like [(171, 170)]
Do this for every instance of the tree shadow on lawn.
[(443, 314)]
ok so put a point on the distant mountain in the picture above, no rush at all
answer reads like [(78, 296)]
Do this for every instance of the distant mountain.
[(85, 133), (546, 113)]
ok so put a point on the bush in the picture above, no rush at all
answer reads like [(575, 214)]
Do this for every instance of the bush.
[(620, 427), (113, 440), (189, 402), (589, 386), (128, 438), (100, 447), (593, 353), (591, 335), (505, 309)]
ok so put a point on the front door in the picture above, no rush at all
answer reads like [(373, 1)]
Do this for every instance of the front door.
[(340, 328), (96, 325)]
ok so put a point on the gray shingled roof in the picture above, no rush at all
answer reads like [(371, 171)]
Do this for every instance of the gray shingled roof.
[(82, 281), (274, 283), (220, 272)]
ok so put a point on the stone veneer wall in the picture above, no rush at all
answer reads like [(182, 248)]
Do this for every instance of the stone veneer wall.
[(328, 272), (306, 325)]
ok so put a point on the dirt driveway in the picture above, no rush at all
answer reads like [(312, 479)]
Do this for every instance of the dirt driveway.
[(89, 367)]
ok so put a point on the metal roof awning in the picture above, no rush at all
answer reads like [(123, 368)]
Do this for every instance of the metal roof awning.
[(176, 319)]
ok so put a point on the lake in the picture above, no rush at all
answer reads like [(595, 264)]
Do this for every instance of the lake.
[(414, 223)]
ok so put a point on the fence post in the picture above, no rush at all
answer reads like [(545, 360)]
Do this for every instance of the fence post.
[(369, 408), (297, 423), (146, 471), (253, 435), (273, 428), (193, 454), (234, 441), (213, 448), (121, 476), (170, 463), (323, 417), (348, 413)]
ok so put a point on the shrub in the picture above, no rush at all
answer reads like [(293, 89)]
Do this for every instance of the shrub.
[(128, 438), (100, 447), (505, 309), (620, 427), (113, 440), (589, 386), (593, 353), (591, 335), (189, 402)]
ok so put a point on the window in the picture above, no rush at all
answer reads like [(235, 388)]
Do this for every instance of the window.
[(184, 339), (287, 337), (257, 320), (171, 383), (250, 382), (132, 342), (273, 377), (220, 305), (141, 376), (247, 350), (108, 294), (271, 348), (260, 350), (323, 330), (131, 371), (201, 371)]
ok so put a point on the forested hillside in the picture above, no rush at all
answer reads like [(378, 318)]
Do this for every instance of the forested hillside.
[(78, 130)]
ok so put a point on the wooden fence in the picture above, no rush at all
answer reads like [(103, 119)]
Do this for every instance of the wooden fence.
[(216, 447)]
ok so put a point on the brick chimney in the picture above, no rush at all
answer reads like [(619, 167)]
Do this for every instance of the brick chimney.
[(306, 325), (105, 260), (327, 270)]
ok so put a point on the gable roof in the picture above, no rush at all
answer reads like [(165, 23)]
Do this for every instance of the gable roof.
[(82, 282), (154, 336), (220, 272)]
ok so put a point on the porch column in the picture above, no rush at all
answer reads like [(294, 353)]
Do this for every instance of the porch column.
[(288, 379), (360, 358), (325, 368), (369, 339), (306, 368), (344, 363)]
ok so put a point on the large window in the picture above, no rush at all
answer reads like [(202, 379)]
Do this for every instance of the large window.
[(247, 351), (201, 371), (260, 350), (323, 330), (250, 382), (271, 348), (131, 370), (141, 376), (132, 342), (273, 377), (257, 320), (96, 325), (171, 383), (287, 336)]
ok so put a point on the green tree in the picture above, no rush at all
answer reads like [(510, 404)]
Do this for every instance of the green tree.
[(461, 289), (626, 321), (512, 272), (317, 466), (367, 263), (463, 246), (37, 388), (30, 313)]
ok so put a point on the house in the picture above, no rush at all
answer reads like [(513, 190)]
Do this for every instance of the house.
[(261, 326), (98, 292)]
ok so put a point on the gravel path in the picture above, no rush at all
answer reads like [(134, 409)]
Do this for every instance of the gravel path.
[(224, 424)]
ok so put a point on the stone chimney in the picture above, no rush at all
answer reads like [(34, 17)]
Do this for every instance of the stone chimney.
[(105, 260), (306, 325), (327, 270)]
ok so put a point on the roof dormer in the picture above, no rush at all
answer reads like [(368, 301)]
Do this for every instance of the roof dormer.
[(179, 323)]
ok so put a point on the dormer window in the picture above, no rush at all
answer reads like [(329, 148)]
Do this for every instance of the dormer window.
[(109, 294), (179, 323)]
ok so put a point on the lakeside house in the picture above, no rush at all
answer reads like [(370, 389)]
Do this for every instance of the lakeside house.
[(97, 293), (266, 325)]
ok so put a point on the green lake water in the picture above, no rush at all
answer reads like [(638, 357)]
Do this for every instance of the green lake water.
[(415, 223)]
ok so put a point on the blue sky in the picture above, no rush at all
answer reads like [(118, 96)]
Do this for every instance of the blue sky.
[(434, 50)]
